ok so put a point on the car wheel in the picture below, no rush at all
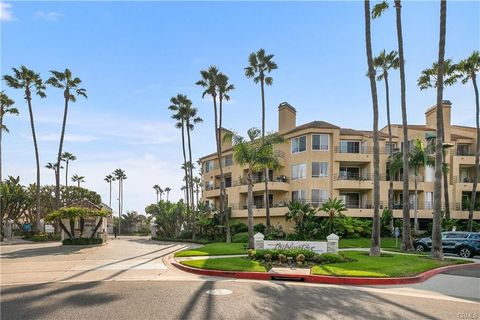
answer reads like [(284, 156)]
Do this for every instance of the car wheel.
[(420, 247), (465, 252)]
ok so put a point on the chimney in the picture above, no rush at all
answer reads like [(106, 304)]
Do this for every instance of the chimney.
[(431, 117), (287, 116)]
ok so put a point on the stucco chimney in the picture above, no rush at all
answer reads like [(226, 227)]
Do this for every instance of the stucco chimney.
[(287, 116)]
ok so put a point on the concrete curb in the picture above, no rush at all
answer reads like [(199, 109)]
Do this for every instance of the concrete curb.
[(354, 281)]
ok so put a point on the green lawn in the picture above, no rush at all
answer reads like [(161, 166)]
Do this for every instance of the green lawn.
[(227, 264), (214, 249), (388, 265), (385, 243)]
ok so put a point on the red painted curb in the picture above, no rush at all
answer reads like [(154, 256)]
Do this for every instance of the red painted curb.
[(355, 281)]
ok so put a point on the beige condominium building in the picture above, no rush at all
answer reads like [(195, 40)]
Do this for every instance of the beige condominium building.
[(321, 160)]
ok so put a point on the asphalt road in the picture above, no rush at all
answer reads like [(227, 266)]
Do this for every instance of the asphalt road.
[(130, 278), (189, 300)]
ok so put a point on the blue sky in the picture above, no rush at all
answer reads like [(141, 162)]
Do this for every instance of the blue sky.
[(134, 56)]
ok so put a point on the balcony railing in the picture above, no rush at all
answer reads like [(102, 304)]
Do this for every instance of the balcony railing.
[(369, 177), (460, 152), (244, 182), (360, 150), (456, 179)]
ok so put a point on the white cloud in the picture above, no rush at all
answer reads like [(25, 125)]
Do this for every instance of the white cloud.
[(49, 16), (6, 13)]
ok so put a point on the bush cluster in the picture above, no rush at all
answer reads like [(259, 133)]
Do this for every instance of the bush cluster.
[(300, 256), (82, 241), (241, 237), (42, 236), (199, 241)]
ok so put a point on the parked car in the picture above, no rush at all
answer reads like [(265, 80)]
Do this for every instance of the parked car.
[(465, 244)]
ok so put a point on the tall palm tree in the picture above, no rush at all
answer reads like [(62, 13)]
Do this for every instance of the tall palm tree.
[(223, 88), (256, 154), (383, 63), (418, 158), (157, 191), (67, 157), (428, 79), (437, 250), (167, 191), (28, 81), (375, 246), (213, 82), (78, 179), (259, 66), (191, 119), (5, 108), (53, 166), (468, 69), (120, 175), (161, 192), (178, 107), (198, 183), (69, 85), (109, 179), (406, 228)]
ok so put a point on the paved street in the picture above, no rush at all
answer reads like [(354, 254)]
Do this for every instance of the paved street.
[(130, 279)]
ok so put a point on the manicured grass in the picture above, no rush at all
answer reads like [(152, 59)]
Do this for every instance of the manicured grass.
[(387, 265), (385, 243), (214, 249), (227, 264)]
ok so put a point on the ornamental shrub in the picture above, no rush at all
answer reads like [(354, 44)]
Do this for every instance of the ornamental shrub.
[(241, 237), (82, 241)]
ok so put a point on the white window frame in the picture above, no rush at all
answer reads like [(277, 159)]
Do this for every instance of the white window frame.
[(325, 175), (298, 138), (305, 171), (320, 135), (300, 194)]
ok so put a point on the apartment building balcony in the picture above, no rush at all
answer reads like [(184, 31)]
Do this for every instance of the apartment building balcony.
[(352, 180), (276, 183), (356, 153), (276, 209), (211, 191)]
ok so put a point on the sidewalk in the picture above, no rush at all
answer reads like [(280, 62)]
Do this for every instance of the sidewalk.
[(15, 240)]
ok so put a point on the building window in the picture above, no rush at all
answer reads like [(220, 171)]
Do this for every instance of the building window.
[(228, 161), (320, 142), (299, 144), (319, 169), (208, 166), (429, 174), (298, 195), (299, 171), (463, 150), (349, 146), (410, 145), (391, 147), (319, 196), (428, 200), (208, 185)]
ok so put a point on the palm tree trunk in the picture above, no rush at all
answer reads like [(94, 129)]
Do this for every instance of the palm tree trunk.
[(218, 136), (476, 173), (1, 135), (119, 204), (375, 246), (66, 174), (185, 170), (37, 159), (390, 188), (406, 237), (251, 244), (190, 180), (60, 147), (446, 197), (437, 251), (110, 199), (265, 173), (415, 212)]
